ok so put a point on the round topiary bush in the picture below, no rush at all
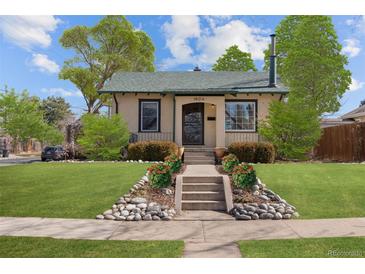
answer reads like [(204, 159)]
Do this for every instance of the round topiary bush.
[(229, 162), (173, 162), (159, 175), (244, 175)]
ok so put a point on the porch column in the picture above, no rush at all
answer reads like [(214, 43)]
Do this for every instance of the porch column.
[(219, 125), (178, 122)]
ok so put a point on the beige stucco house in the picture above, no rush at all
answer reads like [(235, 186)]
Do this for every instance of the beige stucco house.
[(196, 107)]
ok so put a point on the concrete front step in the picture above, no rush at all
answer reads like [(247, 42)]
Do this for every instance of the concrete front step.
[(203, 205), (198, 149), (203, 179), (199, 162), (202, 187), (203, 195), (198, 157), (198, 153)]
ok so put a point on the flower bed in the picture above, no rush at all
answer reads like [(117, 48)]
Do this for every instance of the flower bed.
[(252, 200), (259, 202), (151, 198)]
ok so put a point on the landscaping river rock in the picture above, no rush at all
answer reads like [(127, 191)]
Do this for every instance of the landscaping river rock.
[(270, 206), (130, 208)]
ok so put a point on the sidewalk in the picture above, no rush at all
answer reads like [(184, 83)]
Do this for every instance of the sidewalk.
[(202, 238)]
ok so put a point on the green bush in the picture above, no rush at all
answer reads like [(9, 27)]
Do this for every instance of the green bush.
[(245, 151), (253, 152), (151, 150), (102, 137), (244, 175), (173, 162), (265, 153), (292, 128), (229, 162), (159, 175)]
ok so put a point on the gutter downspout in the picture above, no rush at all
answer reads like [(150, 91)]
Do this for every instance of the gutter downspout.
[(173, 119), (116, 104)]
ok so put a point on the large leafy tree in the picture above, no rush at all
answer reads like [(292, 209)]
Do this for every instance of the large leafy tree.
[(110, 46), (234, 60), (310, 62), (55, 110), (22, 119)]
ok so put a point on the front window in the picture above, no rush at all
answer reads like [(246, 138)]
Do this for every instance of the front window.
[(149, 115), (240, 116)]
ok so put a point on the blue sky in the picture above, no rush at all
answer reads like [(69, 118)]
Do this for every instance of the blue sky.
[(30, 55)]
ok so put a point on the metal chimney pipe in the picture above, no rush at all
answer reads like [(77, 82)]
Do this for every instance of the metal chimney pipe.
[(272, 73)]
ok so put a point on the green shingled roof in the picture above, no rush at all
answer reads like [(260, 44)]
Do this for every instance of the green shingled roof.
[(192, 82)]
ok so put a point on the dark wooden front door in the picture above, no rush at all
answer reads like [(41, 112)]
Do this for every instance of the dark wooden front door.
[(193, 124)]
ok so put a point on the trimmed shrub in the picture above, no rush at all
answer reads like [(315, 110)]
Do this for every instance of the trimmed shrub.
[(253, 152), (159, 175), (151, 150), (265, 153), (244, 175), (173, 162), (229, 162), (245, 151)]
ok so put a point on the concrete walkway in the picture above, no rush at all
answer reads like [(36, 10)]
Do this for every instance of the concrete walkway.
[(202, 238)]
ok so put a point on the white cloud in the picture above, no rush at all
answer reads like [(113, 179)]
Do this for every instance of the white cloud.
[(61, 92), (44, 64), (234, 32), (351, 47), (358, 22), (28, 32), (177, 34), (355, 84), (210, 42)]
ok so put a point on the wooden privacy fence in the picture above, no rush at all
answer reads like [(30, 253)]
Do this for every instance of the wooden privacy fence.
[(345, 143)]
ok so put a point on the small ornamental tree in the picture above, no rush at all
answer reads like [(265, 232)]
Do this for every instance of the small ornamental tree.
[(292, 128), (234, 60), (103, 137)]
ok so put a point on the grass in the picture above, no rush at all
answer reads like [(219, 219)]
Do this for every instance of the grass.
[(64, 190), (349, 247), (318, 190), (31, 247)]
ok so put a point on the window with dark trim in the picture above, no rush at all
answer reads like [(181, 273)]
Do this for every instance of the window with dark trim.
[(149, 115), (240, 116)]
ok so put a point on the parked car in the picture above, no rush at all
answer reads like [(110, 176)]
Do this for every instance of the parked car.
[(53, 153)]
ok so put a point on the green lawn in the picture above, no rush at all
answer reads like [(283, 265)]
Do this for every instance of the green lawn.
[(349, 247), (65, 190), (29, 247), (318, 190)]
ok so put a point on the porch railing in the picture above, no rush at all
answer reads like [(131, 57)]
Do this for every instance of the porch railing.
[(242, 137), (154, 136)]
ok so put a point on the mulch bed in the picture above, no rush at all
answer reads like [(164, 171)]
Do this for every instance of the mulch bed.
[(159, 195), (240, 195)]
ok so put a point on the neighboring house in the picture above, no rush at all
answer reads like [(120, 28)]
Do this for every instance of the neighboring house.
[(356, 115), (332, 122), (196, 107)]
